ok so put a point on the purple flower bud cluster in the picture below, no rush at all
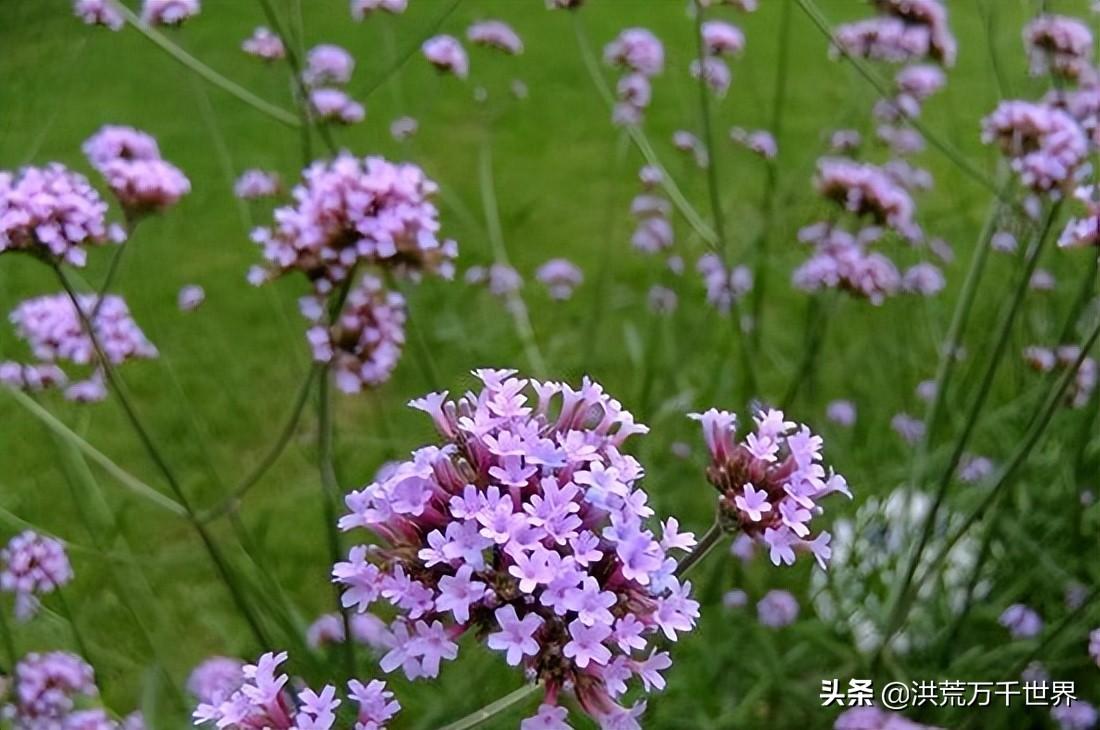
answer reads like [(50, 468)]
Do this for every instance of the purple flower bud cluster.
[(1059, 45), (500, 279), (1044, 144), (495, 34), (328, 64), (904, 31), (366, 629), (866, 190), (560, 277), (360, 9), (98, 12), (32, 566), (1021, 621), (1075, 715), (403, 127), (168, 12), (129, 161), (31, 378), (844, 261), (264, 44), (641, 56), (46, 688), (447, 55), (719, 39), (1045, 360), (253, 184), (759, 141), (724, 285), (874, 718), (353, 210), (651, 210), (52, 211), (263, 701), (364, 343), (1083, 231), (334, 105), (777, 609), (215, 679), (526, 528), (770, 483)]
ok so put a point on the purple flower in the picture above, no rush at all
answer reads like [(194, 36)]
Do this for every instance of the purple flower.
[(403, 127), (561, 277), (447, 55), (215, 679), (254, 184), (168, 12), (516, 636), (1021, 621), (549, 717), (637, 50), (47, 687), (841, 412), (33, 565), (98, 12), (1045, 145), (264, 44), (190, 297), (1059, 45), (328, 64), (1075, 715), (495, 34), (909, 428), (586, 643), (334, 105), (362, 8), (777, 609)]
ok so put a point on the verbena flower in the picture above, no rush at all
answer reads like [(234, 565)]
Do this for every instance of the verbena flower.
[(47, 687), (1045, 145), (771, 482), (1083, 231), (500, 279), (661, 299), (1045, 360), (874, 718), (129, 161), (777, 609), (715, 72), (527, 528), (759, 141), (31, 378), (1094, 645), (973, 469), (168, 12), (354, 210), (403, 127), (866, 190), (366, 629), (447, 55), (722, 39), (362, 8), (637, 50), (264, 44), (253, 184), (52, 212), (98, 12), (735, 599), (560, 277), (190, 297), (1075, 715), (843, 141), (844, 261), (906, 30), (328, 64), (495, 34), (364, 343), (1059, 45), (215, 679), (725, 286), (841, 412), (33, 566), (264, 701), (919, 81), (334, 105), (924, 279), (910, 429), (1021, 621)]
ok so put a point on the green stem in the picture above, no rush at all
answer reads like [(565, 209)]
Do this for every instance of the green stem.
[(9, 644), (495, 708), (413, 49), (708, 542), (161, 41)]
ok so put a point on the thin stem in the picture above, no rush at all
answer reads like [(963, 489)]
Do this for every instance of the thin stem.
[(817, 321), (232, 502), (151, 449), (494, 708), (112, 273), (161, 41), (395, 66), (710, 539)]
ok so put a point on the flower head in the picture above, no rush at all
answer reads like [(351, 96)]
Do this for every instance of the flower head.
[(1022, 622), (168, 12), (33, 565), (362, 8), (328, 64), (264, 44), (215, 679), (47, 687), (495, 34), (1060, 45), (98, 12), (447, 55), (253, 184), (637, 50), (561, 277), (777, 609)]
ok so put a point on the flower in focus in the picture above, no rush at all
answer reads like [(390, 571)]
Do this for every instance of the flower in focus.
[(215, 679), (771, 482), (561, 277), (190, 297), (525, 527), (334, 105), (51, 211), (264, 44), (362, 8), (328, 64), (364, 343), (1021, 621), (447, 55), (33, 565), (254, 184), (1059, 45), (495, 34), (777, 609), (168, 12), (98, 12)]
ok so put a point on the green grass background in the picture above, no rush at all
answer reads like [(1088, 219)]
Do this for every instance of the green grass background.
[(564, 178)]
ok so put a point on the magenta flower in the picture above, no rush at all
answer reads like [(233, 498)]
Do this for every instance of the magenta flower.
[(130, 163), (722, 39), (867, 191), (724, 286), (906, 30), (376, 704), (33, 565), (844, 261), (447, 55), (760, 142), (31, 378)]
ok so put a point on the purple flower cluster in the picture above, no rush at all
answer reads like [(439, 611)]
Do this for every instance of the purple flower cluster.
[(253, 184), (641, 56), (770, 483), (1045, 360), (354, 210), (31, 378), (98, 12), (168, 12), (52, 211), (130, 162), (719, 39), (527, 528), (33, 565), (500, 279), (1075, 715), (447, 55), (844, 261), (759, 141), (46, 688), (495, 34), (263, 701), (1021, 621), (327, 64), (364, 343), (651, 210), (905, 30), (366, 629), (334, 105), (777, 609), (725, 285), (874, 718), (264, 44), (866, 190), (215, 679), (1059, 45), (360, 9), (1044, 144), (1083, 231), (560, 277)]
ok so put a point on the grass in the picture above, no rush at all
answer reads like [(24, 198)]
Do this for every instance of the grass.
[(563, 178)]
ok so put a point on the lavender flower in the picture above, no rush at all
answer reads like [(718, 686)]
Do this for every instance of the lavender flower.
[(403, 127), (215, 679), (31, 378), (1059, 45), (254, 184), (735, 599), (1094, 645), (887, 39), (759, 141), (561, 277), (129, 161), (33, 565), (525, 527), (46, 687), (364, 343), (98, 12), (190, 297), (366, 629), (714, 72), (722, 39), (1045, 145), (501, 279), (362, 8), (1021, 621), (924, 279), (51, 211), (867, 190), (352, 210), (973, 469), (447, 55), (841, 412), (495, 34), (1042, 280), (1084, 231), (168, 12), (777, 609), (636, 50), (334, 105), (919, 81), (264, 44), (843, 261), (328, 64), (53, 329), (1075, 715), (724, 286), (1003, 242), (1045, 360), (770, 483), (910, 429)]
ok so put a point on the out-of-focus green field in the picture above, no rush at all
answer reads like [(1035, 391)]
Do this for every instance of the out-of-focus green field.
[(564, 176)]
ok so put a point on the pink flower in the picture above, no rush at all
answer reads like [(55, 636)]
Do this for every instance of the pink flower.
[(495, 34), (264, 44), (638, 50), (33, 565), (334, 105), (98, 12), (586, 644), (328, 64), (362, 8), (1045, 145), (722, 39), (447, 54), (168, 12)]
